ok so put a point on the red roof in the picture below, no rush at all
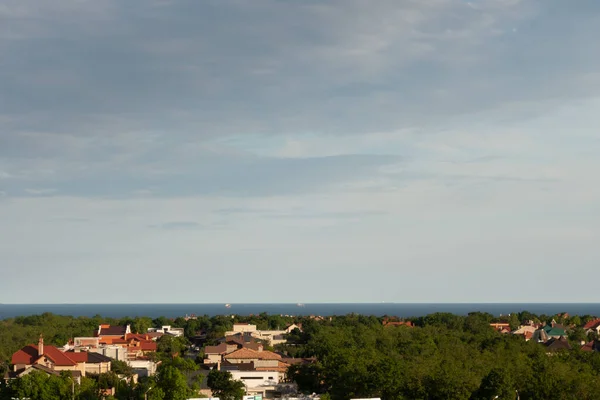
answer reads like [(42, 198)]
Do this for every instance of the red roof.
[(148, 345), (397, 323), (29, 354), (80, 357), (592, 324), (588, 346)]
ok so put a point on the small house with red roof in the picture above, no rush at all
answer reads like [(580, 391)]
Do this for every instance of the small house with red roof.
[(592, 326)]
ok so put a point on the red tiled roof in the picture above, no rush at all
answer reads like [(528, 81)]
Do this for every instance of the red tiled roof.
[(79, 357), (592, 324), (252, 354), (397, 323), (588, 346), (148, 345), (58, 356), (29, 354)]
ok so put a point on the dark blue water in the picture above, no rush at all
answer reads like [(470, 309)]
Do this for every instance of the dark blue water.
[(324, 309)]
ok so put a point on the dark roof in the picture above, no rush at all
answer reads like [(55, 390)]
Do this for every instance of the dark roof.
[(88, 357), (227, 366), (220, 349), (112, 331), (558, 344)]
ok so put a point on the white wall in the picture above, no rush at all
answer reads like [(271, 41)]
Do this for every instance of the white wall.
[(257, 378)]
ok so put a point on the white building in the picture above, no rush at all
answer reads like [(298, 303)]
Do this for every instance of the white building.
[(258, 382), (167, 330)]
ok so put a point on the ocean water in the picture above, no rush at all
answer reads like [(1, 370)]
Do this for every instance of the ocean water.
[(325, 309)]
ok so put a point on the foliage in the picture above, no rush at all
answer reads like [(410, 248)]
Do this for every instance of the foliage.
[(171, 345), (172, 383), (224, 387), (40, 386), (445, 357), (121, 368)]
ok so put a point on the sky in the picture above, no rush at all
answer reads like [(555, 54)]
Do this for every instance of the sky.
[(175, 151)]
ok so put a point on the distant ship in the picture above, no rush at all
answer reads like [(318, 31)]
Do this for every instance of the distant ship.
[(300, 305), (227, 305)]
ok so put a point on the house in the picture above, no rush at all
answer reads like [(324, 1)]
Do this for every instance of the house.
[(554, 330), (388, 322), (261, 360), (527, 331), (558, 344), (242, 327), (540, 336), (273, 337), (214, 354), (257, 382), (291, 327), (229, 344), (46, 357), (589, 346), (592, 326), (167, 330), (107, 331), (132, 348), (502, 327), (94, 363), (76, 375)]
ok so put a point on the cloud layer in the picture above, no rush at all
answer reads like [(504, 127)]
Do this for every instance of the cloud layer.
[(439, 150)]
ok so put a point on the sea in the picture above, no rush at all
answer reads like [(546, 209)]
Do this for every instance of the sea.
[(403, 310)]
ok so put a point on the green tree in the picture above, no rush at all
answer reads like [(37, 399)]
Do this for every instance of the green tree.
[(87, 390), (578, 335), (121, 368), (141, 324), (171, 345), (172, 383), (41, 386), (514, 322), (497, 383), (224, 386)]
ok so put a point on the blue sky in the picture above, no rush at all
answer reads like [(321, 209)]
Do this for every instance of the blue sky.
[(299, 151)]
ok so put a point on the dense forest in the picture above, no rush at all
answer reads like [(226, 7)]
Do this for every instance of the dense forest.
[(443, 356)]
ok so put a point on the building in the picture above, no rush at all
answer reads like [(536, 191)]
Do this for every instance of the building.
[(106, 331), (46, 357), (389, 322), (259, 360), (592, 326), (167, 330), (242, 327), (273, 337)]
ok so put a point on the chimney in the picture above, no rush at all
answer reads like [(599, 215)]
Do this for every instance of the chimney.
[(41, 346)]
